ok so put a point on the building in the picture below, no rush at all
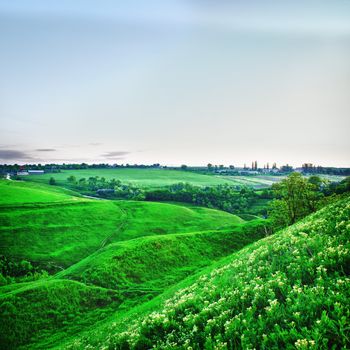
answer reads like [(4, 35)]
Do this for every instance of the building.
[(36, 172), (22, 173)]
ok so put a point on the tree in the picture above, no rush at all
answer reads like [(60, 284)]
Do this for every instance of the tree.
[(52, 181), (72, 180), (82, 182), (295, 197), (184, 167), (317, 182)]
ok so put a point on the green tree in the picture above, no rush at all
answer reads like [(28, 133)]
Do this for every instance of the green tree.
[(295, 197), (317, 182), (52, 181), (72, 180), (82, 182)]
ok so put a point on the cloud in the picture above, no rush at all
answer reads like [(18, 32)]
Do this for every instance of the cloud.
[(95, 143), (9, 154), (115, 155), (45, 150)]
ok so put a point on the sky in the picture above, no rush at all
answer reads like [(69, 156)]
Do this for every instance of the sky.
[(175, 82)]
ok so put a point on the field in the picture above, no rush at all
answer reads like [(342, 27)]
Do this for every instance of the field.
[(155, 178), (82, 273), (147, 178)]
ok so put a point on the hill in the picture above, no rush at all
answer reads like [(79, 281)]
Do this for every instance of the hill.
[(113, 256), (147, 265), (142, 275), (61, 232), (290, 290), (18, 193)]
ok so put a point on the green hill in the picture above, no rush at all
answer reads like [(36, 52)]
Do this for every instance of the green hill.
[(66, 229), (121, 254), (137, 275), (116, 278), (50, 309), (150, 264), (17, 192), (287, 291)]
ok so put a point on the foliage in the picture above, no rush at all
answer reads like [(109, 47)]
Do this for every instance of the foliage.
[(296, 197), (110, 260), (337, 187), (51, 305), (288, 291), (223, 197)]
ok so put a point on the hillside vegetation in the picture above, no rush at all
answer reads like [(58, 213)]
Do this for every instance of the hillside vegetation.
[(102, 257), (287, 291), (150, 264), (67, 229), (138, 275)]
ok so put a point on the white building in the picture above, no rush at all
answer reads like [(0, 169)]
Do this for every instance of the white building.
[(36, 172)]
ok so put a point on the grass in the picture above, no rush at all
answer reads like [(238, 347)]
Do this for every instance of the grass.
[(51, 307), (290, 290), (150, 264), (16, 192), (136, 275), (120, 254), (146, 178), (61, 233), (115, 278), (155, 178)]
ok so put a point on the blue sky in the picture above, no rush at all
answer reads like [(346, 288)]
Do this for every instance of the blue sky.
[(175, 82)]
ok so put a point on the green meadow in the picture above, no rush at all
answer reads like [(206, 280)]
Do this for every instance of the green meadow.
[(84, 273), (156, 178), (149, 178)]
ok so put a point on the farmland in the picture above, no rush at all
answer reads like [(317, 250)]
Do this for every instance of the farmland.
[(140, 177), (155, 178)]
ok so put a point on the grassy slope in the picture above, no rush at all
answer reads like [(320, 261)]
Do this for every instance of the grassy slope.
[(150, 264), (68, 229), (50, 308), (149, 218), (15, 192), (43, 313), (63, 232), (290, 290)]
